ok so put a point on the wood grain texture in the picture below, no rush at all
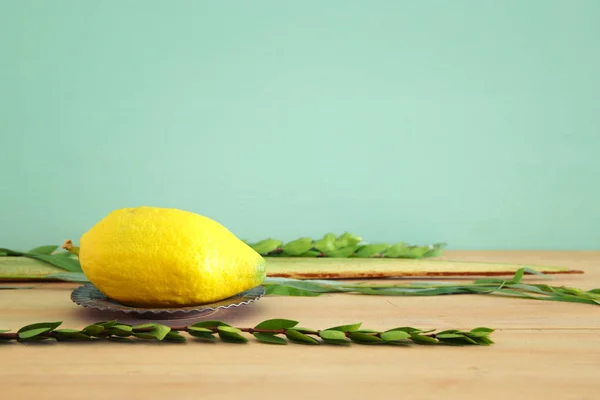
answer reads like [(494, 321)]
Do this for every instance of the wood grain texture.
[(543, 349)]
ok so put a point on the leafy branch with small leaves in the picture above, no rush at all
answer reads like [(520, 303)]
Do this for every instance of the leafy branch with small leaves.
[(346, 245), (273, 331)]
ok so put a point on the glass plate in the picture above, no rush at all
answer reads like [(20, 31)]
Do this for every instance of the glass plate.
[(89, 296)]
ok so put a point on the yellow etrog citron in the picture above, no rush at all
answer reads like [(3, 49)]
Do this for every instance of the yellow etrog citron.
[(164, 257)]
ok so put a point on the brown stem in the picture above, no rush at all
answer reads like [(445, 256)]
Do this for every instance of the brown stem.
[(70, 247)]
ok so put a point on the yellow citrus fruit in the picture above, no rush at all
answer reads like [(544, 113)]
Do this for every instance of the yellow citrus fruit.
[(164, 257)]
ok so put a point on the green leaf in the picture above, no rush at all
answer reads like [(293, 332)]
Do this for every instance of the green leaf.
[(276, 323), (199, 329), (305, 330), (68, 264), (120, 330), (174, 337), (371, 250), (482, 329), (343, 252), (69, 277), (332, 334), (64, 254), (10, 287), (33, 332), (4, 330), (10, 253), (298, 246), (401, 250), (231, 335), (346, 328), (93, 330), (266, 246), (298, 337), (407, 329), (201, 333), (310, 253), (449, 336), (326, 244), (43, 250), (284, 290), (269, 338), (347, 239), (40, 327), (157, 331), (436, 250), (69, 334), (210, 323), (518, 276), (422, 339), (364, 338), (394, 336)]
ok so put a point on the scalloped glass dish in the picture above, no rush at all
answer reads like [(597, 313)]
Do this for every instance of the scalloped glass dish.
[(90, 297)]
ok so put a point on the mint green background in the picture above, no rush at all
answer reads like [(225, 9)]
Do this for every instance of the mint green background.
[(471, 122)]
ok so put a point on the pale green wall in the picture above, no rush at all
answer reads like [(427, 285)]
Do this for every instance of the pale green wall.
[(471, 122)]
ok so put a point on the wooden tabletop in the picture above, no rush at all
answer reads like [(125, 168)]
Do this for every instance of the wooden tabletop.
[(543, 350)]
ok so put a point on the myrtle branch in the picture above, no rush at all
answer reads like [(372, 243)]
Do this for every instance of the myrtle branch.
[(271, 331)]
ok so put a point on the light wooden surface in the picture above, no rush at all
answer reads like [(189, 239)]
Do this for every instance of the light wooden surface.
[(543, 350)]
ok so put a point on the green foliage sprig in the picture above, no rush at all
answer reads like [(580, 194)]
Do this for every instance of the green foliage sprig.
[(272, 331), (513, 287), (489, 286), (343, 246), (48, 254)]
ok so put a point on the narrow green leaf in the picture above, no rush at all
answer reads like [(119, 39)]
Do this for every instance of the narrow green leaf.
[(449, 336), (10, 287), (43, 250), (364, 338), (304, 330), (174, 337), (344, 252), (298, 246), (198, 329), (482, 329), (394, 336), (4, 330), (346, 328), (518, 276), (211, 324), (33, 332), (49, 325), (422, 339), (436, 250), (276, 323), (310, 253), (347, 239), (231, 335), (266, 246), (202, 335), (371, 250), (69, 277), (326, 244), (158, 331), (269, 338), (332, 334), (298, 337), (68, 264), (69, 334), (10, 253), (284, 290), (93, 330), (120, 330)]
